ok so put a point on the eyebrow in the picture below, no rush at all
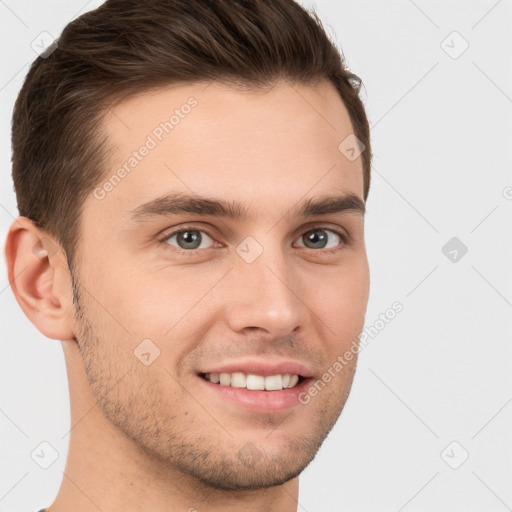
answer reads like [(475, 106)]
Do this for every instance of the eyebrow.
[(174, 204)]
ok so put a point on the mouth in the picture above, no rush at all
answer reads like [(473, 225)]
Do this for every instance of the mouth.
[(258, 393), (254, 382)]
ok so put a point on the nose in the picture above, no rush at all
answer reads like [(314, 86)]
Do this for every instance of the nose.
[(266, 296)]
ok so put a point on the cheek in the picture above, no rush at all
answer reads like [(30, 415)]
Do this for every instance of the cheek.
[(141, 300), (340, 298), (169, 307)]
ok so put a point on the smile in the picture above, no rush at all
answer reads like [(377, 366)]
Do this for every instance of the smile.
[(253, 382)]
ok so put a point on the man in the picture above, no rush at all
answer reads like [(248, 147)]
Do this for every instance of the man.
[(191, 178)]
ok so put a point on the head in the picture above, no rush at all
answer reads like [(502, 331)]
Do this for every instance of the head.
[(183, 165)]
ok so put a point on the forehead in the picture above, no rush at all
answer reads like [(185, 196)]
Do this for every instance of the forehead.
[(265, 149)]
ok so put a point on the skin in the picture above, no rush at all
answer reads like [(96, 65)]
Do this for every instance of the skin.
[(145, 435)]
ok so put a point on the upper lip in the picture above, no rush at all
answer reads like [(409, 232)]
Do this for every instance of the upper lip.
[(262, 367)]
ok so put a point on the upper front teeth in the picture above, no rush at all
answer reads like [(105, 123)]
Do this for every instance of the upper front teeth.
[(255, 382)]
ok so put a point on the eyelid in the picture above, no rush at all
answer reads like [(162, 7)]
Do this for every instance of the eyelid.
[(338, 230), (345, 237), (163, 238)]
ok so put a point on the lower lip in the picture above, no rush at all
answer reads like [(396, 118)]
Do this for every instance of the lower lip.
[(259, 401)]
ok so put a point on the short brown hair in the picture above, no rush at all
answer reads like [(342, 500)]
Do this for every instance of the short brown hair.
[(126, 47)]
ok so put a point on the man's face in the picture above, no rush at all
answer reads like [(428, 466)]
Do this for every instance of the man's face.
[(206, 290)]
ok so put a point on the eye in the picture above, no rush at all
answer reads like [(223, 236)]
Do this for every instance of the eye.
[(321, 238), (189, 239)]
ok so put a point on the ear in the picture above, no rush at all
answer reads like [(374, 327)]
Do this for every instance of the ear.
[(40, 279)]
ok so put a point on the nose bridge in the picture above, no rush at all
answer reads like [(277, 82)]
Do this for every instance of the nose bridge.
[(264, 296)]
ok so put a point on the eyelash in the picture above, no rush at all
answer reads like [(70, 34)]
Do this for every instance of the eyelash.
[(345, 240)]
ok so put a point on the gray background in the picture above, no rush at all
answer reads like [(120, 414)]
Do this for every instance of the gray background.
[(436, 376)]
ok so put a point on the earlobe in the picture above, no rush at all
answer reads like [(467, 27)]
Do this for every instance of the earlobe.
[(39, 278)]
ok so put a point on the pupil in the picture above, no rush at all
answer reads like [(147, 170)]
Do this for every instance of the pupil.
[(189, 239)]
